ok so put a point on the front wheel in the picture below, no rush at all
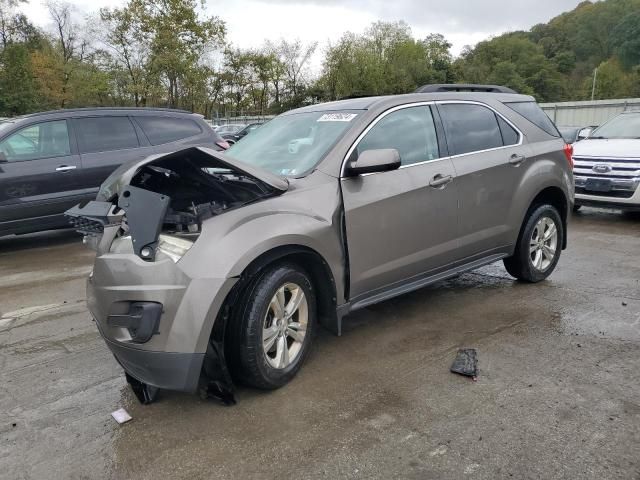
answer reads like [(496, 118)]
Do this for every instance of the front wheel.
[(539, 245), (272, 332)]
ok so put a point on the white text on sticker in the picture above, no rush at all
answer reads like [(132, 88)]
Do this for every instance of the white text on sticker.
[(337, 117)]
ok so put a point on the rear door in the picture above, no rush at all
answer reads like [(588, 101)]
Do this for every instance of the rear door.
[(39, 172), (105, 143), (489, 158), (398, 225)]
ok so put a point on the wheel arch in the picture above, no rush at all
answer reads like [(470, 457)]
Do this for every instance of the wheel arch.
[(215, 368), (311, 261), (556, 197), (306, 258)]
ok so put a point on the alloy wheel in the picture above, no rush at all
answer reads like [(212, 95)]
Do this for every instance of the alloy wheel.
[(543, 244), (285, 326)]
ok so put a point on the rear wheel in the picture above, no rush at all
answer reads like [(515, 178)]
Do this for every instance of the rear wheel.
[(539, 246), (273, 331)]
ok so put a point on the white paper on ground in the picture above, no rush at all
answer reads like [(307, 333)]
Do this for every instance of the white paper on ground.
[(121, 415)]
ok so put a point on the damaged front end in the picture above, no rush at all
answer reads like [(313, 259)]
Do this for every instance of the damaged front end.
[(147, 216)]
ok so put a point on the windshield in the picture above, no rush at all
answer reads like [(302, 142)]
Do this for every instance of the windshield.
[(626, 125), (292, 145)]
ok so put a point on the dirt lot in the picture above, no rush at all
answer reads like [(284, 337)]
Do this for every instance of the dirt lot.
[(557, 396)]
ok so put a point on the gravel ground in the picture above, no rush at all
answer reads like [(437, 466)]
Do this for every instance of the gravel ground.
[(557, 395)]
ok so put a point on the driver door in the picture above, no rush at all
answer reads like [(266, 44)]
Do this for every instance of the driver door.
[(402, 223), (39, 172)]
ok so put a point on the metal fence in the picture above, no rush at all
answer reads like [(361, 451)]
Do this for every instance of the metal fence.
[(595, 112), (242, 119)]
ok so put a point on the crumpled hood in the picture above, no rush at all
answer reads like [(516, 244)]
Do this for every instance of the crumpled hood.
[(122, 176), (609, 147)]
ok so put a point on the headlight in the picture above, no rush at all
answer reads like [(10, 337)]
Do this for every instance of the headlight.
[(174, 247)]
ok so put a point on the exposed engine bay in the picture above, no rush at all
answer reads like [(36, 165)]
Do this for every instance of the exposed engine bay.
[(155, 202), (199, 187)]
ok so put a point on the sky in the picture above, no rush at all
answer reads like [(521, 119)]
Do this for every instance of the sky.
[(250, 22)]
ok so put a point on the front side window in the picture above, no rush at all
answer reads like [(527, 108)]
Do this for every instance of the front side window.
[(470, 128), (292, 145), (411, 131), (42, 140), (104, 134)]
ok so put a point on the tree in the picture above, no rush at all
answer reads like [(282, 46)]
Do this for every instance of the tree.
[(515, 61), (611, 82), (18, 91), (160, 43), (625, 39), (127, 46), (68, 50), (386, 59), (289, 71)]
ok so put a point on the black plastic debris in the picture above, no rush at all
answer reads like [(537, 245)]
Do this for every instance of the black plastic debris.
[(146, 394), (466, 363)]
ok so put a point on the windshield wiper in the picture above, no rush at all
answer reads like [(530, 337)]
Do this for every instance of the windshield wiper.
[(597, 138)]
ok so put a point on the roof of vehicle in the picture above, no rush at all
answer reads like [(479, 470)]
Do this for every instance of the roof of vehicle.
[(367, 103), (103, 110)]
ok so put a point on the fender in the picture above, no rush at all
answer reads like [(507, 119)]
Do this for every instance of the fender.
[(541, 175)]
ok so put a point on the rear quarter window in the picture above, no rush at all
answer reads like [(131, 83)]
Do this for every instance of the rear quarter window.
[(160, 130), (532, 112)]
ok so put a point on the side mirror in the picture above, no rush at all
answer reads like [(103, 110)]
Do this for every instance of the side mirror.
[(584, 133), (370, 161), (3, 157)]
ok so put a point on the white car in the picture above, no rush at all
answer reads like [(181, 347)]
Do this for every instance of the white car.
[(607, 164)]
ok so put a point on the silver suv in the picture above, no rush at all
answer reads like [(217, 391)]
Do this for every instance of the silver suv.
[(215, 267)]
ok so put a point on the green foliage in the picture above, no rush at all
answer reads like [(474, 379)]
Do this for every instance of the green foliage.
[(171, 53), (386, 59), (555, 61), (625, 39), (18, 90)]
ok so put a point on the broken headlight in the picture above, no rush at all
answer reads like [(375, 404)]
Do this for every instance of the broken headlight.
[(174, 247)]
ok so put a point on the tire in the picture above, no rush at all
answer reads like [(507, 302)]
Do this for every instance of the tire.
[(576, 207), (535, 266), (257, 321)]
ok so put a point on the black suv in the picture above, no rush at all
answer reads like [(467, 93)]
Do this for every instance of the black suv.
[(50, 161)]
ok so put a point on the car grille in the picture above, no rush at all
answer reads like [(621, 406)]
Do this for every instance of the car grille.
[(621, 175)]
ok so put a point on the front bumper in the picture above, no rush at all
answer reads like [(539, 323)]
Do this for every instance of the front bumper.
[(172, 357), (630, 204), (167, 370)]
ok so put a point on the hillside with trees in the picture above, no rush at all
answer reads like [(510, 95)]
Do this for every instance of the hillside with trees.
[(171, 53)]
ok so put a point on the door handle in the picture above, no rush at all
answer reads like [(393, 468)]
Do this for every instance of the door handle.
[(440, 180), (516, 159), (65, 168)]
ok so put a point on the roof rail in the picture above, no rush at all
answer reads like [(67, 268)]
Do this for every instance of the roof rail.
[(86, 109), (463, 87)]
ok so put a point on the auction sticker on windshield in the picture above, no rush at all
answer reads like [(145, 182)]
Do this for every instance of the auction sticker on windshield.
[(337, 117)]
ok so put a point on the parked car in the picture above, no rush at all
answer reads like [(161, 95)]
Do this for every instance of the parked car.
[(236, 137), (209, 263), (229, 129), (52, 160), (607, 165), (575, 134)]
